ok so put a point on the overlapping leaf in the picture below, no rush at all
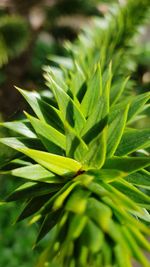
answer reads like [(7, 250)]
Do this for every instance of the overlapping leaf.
[(82, 181)]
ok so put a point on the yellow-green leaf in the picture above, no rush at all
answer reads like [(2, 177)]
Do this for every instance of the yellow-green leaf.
[(47, 133), (57, 164)]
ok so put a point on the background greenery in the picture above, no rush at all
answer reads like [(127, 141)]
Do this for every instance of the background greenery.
[(25, 44)]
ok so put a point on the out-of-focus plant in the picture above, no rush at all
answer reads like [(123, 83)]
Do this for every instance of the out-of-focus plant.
[(82, 160), (14, 36), (29, 32), (111, 39)]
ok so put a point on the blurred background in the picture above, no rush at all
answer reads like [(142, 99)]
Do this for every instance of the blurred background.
[(30, 32)]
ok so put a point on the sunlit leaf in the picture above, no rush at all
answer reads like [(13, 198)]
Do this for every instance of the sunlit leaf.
[(21, 127), (47, 133), (57, 164)]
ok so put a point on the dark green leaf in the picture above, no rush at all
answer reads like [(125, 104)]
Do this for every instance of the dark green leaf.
[(132, 140), (69, 110), (44, 111), (132, 192), (127, 164), (50, 221), (75, 146), (93, 93), (29, 190), (137, 105), (95, 157), (33, 206), (115, 131), (48, 134), (141, 178)]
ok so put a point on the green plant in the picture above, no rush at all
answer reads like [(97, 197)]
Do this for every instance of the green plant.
[(110, 38), (28, 34), (85, 164), (15, 242), (14, 37)]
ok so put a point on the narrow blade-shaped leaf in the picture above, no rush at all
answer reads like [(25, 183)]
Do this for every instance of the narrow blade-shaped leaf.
[(141, 240), (36, 173), (30, 190), (95, 120), (117, 90), (49, 222), (61, 198), (57, 164), (138, 254), (95, 157), (48, 133), (115, 131), (127, 164), (62, 61), (21, 142), (33, 206), (140, 178), (107, 175), (21, 127), (116, 196), (137, 105), (134, 193), (132, 140), (93, 93), (43, 110), (75, 146), (67, 106), (77, 78), (122, 256)]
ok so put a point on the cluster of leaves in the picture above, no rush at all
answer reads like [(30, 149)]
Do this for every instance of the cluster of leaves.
[(15, 28), (83, 162), (16, 241), (29, 32), (111, 39)]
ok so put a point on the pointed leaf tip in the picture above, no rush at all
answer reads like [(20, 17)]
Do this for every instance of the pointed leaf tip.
[(57, 164)]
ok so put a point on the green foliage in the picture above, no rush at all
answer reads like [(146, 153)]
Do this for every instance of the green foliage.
[(14, 36), (75, 6), (82, 177), (110, 39), (14, 241)]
